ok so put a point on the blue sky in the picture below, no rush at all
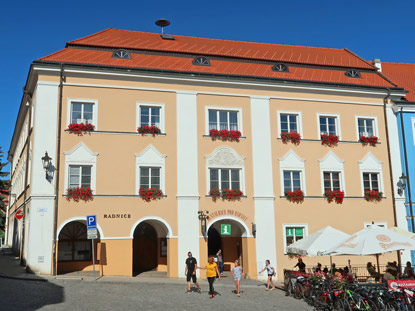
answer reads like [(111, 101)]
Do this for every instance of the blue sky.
[(32, 29)]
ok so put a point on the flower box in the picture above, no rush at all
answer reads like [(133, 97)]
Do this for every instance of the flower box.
[(225, 135), (296, 196), (79, 193), (226, 194), (371, 140), (334, 195), (148, 194), (79, 128), (153, 130), (373, 196), (292, 136), (329, 140)]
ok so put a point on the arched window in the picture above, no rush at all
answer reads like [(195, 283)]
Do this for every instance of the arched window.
[(73, 243)]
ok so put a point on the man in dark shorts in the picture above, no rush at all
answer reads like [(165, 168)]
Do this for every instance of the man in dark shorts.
[(190, 272)]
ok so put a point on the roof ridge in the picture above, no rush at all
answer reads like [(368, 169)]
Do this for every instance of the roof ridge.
[(215, 39), (364, 60), (94, 34)]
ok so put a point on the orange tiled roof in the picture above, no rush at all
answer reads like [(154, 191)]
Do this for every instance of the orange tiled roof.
[(150, 51), (403, 75)]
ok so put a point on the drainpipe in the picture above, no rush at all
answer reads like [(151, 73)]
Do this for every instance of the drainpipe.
[(385, 102), (407, 172), (22, 254), (57, 171)]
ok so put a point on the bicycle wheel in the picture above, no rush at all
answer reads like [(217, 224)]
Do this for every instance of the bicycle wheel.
[(319, 302), (298, 291), (347, 304), (339, 304)]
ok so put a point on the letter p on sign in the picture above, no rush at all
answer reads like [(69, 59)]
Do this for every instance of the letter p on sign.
[(91, 222)]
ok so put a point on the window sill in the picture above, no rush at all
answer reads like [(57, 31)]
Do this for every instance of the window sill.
[(117, 196), (340, 141), (322, 197), (209, 196), (117, 132), (218, 138)]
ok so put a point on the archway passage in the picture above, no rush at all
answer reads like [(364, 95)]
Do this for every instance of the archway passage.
[(149, 247), (219, 237), (74, 249)]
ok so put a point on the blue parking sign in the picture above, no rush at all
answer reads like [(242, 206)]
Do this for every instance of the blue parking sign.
[(91, 222)]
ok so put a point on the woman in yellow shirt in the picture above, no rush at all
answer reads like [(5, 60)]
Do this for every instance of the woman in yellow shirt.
[(212, 271)]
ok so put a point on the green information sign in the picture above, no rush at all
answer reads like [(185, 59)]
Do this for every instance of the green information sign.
[(225, 229)]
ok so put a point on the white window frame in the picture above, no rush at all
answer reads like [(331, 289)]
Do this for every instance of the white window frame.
[(284, 228), (413, 129), (370, 181), (81, 155), (230, 176), (331, 179), (292, 162), (375, 125), (299, 120), (332, 163), (337, 123), (291, 179), (94, 102), (239, 116), (150, 157), (150, 175), (155, 105), (80, 175), (225, 158), (370, 164), (378, 223)]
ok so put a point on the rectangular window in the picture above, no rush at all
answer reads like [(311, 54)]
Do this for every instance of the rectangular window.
[(79, 176), (366, 127), (331, 181), (223, 120), (82, 112), (371, 181), (328, 125), (150, 177), (292, 180), (150, 116), (293, 234), (224, 179), (289, 123)]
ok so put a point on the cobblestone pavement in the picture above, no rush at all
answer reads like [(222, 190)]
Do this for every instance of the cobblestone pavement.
[(56, 295)]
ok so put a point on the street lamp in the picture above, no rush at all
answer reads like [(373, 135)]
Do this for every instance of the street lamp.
[(47, 162), (402, 184), (203, 217)]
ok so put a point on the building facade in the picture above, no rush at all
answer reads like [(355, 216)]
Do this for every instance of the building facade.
[(192, 89)]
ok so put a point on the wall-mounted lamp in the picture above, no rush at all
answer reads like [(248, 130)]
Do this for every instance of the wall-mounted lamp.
[(402, 184), (47, 162), (202, 215), (253, 229)]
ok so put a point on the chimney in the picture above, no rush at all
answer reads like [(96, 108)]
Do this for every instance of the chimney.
[(377, 63)]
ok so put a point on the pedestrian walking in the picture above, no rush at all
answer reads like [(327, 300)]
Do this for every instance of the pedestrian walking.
[(271, 272), (237, 272), (220, 260), (212, 271), (190, 272)]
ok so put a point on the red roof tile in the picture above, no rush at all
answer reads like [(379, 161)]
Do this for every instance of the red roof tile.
[(220, 67), (116, 38), (403, 75)]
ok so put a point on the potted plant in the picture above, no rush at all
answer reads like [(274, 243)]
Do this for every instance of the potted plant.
[(369, 140), (215, 194), (296, 196), (373, 196), (329, 140), (153, 130), (78, 128), (148, 194), (231, 194), (334, 195), (79, 194), (225, 135), (292, 136)]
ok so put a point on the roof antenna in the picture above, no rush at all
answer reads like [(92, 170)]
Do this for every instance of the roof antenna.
[(164, 23)]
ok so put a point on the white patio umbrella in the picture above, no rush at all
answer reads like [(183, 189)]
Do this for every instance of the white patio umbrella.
[(404, 232), (374, 240), (319, 243)]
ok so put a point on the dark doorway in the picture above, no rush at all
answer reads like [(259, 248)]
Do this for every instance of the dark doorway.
[(144, 248), (214, 241)]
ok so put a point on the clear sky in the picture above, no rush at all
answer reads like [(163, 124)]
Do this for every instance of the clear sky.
[(32, 29)]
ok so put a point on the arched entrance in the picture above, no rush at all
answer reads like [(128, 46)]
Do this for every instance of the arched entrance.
[(150, 247), (226, 234), (74, 249)]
